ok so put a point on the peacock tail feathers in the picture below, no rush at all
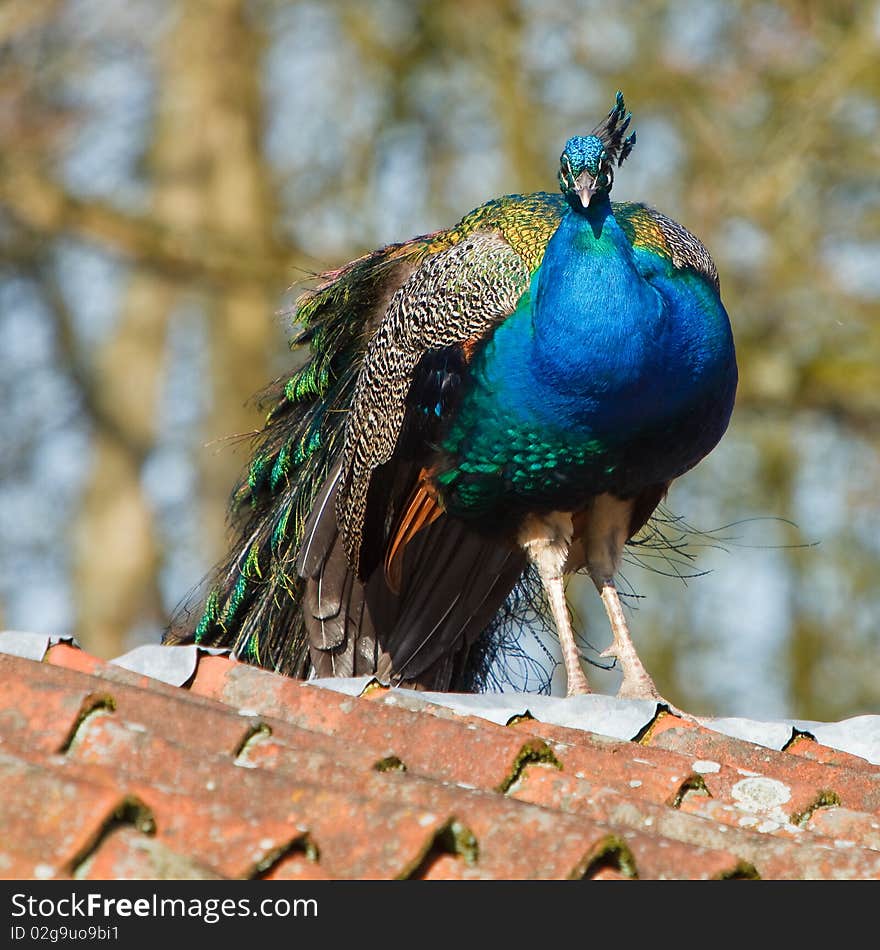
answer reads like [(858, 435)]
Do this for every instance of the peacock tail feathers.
[(253, 606)]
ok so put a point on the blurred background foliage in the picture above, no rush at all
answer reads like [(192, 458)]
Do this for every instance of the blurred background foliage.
[(171, 169)]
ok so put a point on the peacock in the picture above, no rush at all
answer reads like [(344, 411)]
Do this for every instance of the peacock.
[(503, 400)]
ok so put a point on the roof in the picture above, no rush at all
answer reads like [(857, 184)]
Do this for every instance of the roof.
[(236, 772)]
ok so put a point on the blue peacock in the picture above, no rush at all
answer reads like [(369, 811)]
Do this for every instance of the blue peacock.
[(503, 400)]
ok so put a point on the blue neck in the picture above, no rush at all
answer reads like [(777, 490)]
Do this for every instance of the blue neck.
[(593, 314)]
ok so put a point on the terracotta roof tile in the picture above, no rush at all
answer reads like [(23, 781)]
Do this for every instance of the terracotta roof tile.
[(211, 833), (855, 788), (609, 874), (659, 857), (72, 658), (718, 826), (72, 813), (108, 773), (296, 866), (127, 854), (448, 867), (846, 828), (261, 813), (487, 756), (807, 747), (44, 710), (480, 818)]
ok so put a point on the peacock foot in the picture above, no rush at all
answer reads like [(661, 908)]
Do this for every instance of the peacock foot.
[(577, 684), (637, 683)]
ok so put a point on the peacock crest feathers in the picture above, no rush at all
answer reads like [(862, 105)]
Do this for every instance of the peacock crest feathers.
[(611, 133)]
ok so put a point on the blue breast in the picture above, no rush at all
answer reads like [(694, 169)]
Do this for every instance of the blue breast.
[(617, 371)]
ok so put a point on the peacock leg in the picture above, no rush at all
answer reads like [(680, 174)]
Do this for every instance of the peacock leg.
[(575, 678), (546, 542), (637, 682)]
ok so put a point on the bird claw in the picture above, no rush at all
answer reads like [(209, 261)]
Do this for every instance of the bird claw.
[(655, 697), (637, 684)]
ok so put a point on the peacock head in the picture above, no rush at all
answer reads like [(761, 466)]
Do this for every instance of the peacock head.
[(586, 166)]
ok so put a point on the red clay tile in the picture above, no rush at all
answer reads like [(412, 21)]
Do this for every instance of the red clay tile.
[(659, 858), (213, 832), (564, 734), (494, 822), (211, 677), (802, 855), (484, 814), (622, 807), (267, 749), (42, 706), (487, 756), (15, 866), (664, 721), (296, 867), (855, 789), (240, 685), (640, 770), (755, 800), (760, 803), (129, 855), (250, 774), (609, 874), (496, 825), (355, 837), (449, 867), (71, 658), (631, 767), (807, 747), (68, 821), (846, 828), (188, 719)]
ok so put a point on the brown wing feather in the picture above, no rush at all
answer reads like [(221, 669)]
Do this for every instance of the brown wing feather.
[(422, 509)]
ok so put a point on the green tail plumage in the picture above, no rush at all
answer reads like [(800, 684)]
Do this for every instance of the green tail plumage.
[(253, 607)]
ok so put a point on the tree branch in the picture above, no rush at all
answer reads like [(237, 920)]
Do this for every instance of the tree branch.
[(42, 205)]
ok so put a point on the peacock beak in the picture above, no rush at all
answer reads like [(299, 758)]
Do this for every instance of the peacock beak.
[(586, 187)]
